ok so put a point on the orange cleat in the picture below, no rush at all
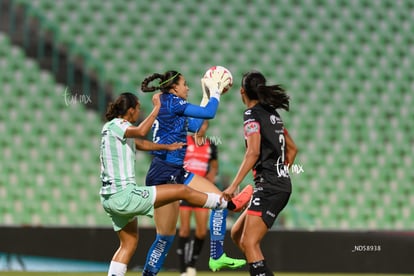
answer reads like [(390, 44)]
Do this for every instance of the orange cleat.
[(243, 198)]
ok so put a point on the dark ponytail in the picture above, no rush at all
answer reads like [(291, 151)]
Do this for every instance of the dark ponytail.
[(121, 105), (254, 83), (167, 80)]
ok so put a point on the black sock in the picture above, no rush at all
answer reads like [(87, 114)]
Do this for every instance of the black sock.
[(259, 268), (181, 252), (197, 245)]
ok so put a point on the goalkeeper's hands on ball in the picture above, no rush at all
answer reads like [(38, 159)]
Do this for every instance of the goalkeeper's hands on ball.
[(213, 86), (208, 86)]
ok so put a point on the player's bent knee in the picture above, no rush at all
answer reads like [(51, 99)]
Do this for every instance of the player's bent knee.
[(184, 232), (183, 190), (246, 243), (235, 236)]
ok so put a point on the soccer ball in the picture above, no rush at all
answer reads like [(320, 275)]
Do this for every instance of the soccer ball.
[(224, 73)]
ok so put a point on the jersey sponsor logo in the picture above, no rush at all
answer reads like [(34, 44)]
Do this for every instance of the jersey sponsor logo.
[(182, 102), (248, 112), (275, 120), (251, 128)]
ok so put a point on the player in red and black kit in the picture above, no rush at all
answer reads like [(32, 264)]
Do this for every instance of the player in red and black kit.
[(269, 149), (200, 158)]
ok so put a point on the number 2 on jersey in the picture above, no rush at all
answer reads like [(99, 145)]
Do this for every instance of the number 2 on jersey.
[(155, 128)]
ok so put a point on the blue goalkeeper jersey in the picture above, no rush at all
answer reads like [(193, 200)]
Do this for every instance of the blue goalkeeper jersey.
[(175, 118)]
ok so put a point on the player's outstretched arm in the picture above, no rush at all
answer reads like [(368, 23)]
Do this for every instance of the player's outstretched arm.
[(146, 145), (250, 158), (208, 108), (202, 112)]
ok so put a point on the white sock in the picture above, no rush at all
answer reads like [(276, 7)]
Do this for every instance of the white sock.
[(117, 269), (213, 202)]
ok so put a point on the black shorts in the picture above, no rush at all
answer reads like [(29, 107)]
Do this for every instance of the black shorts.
[(267, 203)]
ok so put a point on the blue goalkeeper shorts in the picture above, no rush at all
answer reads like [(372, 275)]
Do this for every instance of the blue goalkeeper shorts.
[(162, 172)]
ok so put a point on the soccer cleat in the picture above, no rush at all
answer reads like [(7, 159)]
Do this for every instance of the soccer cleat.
[(225, 262), (191, 271), (242, 198)]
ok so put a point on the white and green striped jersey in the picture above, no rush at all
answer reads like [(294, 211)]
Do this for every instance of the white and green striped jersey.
[(117, 157)]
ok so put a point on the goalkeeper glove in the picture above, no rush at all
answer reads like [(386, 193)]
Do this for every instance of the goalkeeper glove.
[(206, 94), (222, 80), (210, 89)]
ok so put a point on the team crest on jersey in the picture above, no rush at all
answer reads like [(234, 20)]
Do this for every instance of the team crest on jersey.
[(251, 128)]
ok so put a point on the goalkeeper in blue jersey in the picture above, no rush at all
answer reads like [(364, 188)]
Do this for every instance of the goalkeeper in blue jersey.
[(175, 118)]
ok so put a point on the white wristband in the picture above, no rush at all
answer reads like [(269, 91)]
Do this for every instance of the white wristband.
[(216, 95)]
